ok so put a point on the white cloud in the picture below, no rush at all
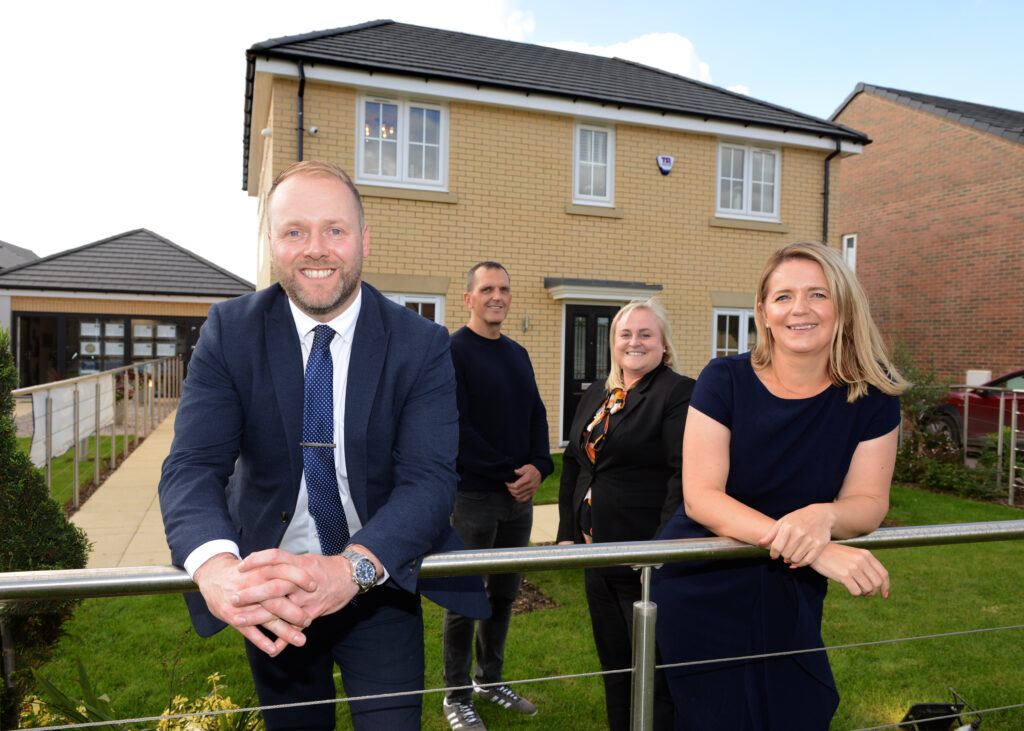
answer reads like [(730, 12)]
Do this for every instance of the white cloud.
[(669, 51), (740, 89)]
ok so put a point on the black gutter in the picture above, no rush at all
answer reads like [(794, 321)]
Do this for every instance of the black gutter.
[(302, 102), (824, 217)]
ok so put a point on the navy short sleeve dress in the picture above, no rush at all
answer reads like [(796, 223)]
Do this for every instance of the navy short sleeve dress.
[(784, 454)]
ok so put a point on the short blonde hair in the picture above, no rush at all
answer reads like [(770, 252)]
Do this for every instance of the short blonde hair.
[(322, 168), (668, 358), (858, 357)]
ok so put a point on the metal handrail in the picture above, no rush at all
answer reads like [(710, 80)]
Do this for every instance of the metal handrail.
[(1003, 393), (26, 585), (163, 382), (130, 581)]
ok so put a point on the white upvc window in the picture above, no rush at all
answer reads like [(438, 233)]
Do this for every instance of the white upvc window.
[(733, 331), (850, 251), (431, 306), (594, 165), (401, 142), (748, 182)]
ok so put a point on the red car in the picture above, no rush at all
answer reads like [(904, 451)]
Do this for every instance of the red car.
[(982, 411)]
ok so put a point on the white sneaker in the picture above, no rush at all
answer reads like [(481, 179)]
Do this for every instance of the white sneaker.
[(462, 716), (505, 697)]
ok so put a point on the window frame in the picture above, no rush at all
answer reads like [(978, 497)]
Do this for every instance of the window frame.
[(747, 181), (849, 251), (406, 298), (402, 179), (607, 200), (746, 316)]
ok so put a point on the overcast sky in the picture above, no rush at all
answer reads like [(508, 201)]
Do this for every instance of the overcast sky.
[(123, 115)]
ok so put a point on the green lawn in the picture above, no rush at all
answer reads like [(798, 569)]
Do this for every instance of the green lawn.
[(62, 468), (141, 651), (547, 493), (934, 590)]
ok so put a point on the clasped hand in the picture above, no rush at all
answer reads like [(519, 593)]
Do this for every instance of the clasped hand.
[(804, 538), (281, 592), (800, 537)]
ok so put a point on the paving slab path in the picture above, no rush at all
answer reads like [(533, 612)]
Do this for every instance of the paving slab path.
[(122, 518)]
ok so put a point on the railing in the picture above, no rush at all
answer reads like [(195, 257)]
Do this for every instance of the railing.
[(152, 386), (941, 416), (1014, 394), (19, 586)]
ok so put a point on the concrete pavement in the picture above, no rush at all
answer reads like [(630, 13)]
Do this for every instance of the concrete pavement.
[(122, 518)]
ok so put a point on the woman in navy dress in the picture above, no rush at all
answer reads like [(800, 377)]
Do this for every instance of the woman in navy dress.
[(788, 447)]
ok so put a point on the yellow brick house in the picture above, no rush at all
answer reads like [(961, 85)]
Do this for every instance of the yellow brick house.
[(593, 180)]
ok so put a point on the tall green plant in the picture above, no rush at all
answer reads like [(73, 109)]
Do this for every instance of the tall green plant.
[(34, 535), (927, 391)]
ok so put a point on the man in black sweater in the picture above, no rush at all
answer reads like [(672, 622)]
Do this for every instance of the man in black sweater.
[(503, 457)]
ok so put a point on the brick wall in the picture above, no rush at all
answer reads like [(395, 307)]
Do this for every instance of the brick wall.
[(938, 209), (511, 172)]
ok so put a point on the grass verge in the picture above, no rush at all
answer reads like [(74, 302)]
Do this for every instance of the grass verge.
[(547, 493), (141, 651), (62, 468)]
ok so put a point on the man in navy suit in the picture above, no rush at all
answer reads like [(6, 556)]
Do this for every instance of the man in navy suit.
[(234, 494)]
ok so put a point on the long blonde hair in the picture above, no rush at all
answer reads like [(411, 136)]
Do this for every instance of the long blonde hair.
[(668, 358), (858, 357)]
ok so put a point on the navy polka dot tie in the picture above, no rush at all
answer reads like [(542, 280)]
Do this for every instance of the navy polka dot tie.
[(318, 446)]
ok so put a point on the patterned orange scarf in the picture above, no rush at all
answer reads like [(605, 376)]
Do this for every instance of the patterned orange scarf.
[(598, 428)]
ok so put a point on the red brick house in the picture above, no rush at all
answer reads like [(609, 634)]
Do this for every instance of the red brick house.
[(932, 213)]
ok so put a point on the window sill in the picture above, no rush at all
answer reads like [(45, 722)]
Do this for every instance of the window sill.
[(748, 225), (410, 194), (575, 209)]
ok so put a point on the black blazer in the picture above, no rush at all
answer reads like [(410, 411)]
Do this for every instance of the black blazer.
[(637, 481)]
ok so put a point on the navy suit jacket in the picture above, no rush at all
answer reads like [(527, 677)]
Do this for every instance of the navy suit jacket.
[(235, 464)]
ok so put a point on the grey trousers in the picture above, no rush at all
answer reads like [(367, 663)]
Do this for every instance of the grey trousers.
[(485, 520)]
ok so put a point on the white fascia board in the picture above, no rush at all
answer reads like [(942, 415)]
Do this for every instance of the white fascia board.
[(598, 293), (541, 102), (117, 296)]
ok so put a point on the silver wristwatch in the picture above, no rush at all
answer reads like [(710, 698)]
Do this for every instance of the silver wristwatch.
[(364, 573)]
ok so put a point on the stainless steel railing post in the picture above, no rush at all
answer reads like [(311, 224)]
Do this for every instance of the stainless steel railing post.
[(138, 395), (1013, 450), (645, 617), (999, 442), (967, 408), (124, 414), (96, 437), (75, 456), (48, 444)]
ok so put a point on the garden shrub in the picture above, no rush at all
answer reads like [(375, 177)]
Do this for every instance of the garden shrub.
[(34, 535), (989, 456)]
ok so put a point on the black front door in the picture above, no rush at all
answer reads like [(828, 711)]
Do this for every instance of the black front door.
[(586, 354)]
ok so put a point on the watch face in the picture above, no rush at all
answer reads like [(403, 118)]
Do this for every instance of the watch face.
[(365, 573)]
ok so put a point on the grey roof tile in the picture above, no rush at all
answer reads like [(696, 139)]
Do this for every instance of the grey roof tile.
[(1007, 123), (11, 255), (442, 54), (136, 262)]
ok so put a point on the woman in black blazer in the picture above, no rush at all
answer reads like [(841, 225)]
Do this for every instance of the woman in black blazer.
[(621, 481)]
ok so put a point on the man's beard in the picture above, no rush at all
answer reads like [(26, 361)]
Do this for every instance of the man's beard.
[(350, 280)]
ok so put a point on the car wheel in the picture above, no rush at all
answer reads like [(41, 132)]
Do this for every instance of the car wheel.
[(943, 425)]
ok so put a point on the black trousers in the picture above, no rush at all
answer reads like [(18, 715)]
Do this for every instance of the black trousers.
[(484, 520), (611, 592), (378, 646)]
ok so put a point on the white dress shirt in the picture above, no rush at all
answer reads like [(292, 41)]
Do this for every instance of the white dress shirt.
[(301, 536)]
